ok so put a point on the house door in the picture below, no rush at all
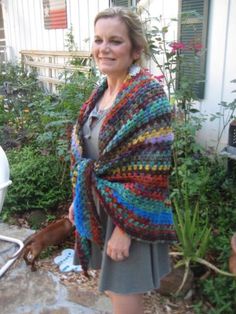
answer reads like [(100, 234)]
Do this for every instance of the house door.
[(2, 38)]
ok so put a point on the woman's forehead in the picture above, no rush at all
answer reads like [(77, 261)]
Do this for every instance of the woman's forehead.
[(111, 23)]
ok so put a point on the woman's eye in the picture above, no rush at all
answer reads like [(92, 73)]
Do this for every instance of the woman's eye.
[(97, 41), (116, 42)]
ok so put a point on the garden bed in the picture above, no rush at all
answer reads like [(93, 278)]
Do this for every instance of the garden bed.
[(154, 302), (35, 133)]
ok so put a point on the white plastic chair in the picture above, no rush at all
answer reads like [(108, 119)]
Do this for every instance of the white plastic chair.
[(4, 183)]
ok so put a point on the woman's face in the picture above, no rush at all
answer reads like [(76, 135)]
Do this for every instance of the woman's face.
[(112, 48)]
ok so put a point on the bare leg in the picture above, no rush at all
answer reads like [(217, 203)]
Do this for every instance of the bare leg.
[(126, 304)]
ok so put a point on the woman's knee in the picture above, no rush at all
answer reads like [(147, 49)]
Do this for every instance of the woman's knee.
[(126, 303)]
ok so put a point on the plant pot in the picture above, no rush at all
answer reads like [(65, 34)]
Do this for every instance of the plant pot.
[(171, 282)]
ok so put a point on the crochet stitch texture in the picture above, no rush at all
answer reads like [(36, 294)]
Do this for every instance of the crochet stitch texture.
[(130, 177)]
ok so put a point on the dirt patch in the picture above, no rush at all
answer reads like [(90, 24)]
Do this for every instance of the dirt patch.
[(154, 302)]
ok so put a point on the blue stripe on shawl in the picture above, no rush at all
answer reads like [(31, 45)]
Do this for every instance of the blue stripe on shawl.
[(142, 207), (162, 218), (81, 221)]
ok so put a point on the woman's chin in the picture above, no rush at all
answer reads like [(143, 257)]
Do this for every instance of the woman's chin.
[(106, 70), (111, 72)]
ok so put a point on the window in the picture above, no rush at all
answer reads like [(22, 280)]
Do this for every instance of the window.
[(193, 32), (54, 12)]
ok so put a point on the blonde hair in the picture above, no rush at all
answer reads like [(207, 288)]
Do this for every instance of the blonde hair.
[(133, 24)]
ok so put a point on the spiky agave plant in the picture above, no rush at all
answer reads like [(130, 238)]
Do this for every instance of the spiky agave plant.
[(193, 238)]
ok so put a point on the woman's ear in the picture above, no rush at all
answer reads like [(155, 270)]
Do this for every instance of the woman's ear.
[(137, 53)]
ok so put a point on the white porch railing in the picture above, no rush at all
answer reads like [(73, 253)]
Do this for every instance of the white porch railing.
[(51, 65)]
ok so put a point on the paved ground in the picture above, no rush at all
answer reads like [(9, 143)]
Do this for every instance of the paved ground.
[(41, 292)]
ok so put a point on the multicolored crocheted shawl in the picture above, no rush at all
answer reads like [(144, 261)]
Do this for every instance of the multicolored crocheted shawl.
[(130, 177)]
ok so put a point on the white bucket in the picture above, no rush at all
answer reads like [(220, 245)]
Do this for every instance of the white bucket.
[(4, 183), (4, 176)]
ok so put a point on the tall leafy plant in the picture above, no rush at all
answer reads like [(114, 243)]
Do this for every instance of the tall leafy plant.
[(20, 92), (59, 114), (189, 175)]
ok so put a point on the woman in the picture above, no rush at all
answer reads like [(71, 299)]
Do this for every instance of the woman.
[(121, 157)]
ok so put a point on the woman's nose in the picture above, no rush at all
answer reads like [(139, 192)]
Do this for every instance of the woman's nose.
[(105, 46)]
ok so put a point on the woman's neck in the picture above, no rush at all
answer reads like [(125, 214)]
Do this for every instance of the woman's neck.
[(109, 96), (114, 84), (113, 87)]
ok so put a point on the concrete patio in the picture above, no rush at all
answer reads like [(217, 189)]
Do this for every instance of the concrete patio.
[(40, 292)]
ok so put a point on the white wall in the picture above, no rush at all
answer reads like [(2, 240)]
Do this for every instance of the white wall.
[(221, 60), (221, 68), (24, 25), (165, 10)]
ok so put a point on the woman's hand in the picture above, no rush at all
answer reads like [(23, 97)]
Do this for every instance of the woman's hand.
[(71, 214), (118, 245)]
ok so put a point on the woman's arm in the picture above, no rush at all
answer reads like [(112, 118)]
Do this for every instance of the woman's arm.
[(71, 213)]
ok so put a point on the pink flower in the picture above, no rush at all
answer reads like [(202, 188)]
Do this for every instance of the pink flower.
[(160, 78), (197, 47), (177, 46)]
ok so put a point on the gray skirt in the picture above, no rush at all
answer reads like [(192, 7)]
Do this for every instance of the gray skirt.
[(140, 272), (147, 262)]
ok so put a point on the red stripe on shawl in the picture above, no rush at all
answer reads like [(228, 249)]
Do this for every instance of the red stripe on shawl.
[(123, 101), (82, 252), (95, 224), (150, 194)]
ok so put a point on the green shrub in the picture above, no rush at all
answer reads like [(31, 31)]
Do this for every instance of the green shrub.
[(18, 117), (39, 181), (59, 114), (220, 294)]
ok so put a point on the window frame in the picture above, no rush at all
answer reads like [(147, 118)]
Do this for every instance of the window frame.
[(200, 87)]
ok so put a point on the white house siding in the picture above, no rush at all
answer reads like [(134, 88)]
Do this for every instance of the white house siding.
[(167, 10), (220, 64), (221, 67), (24, 25), (83, 26)]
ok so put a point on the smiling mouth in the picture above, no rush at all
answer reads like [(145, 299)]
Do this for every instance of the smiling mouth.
[(106, 59)]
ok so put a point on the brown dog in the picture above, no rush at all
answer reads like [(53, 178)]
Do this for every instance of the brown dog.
[(53, 234), (232, 259)]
